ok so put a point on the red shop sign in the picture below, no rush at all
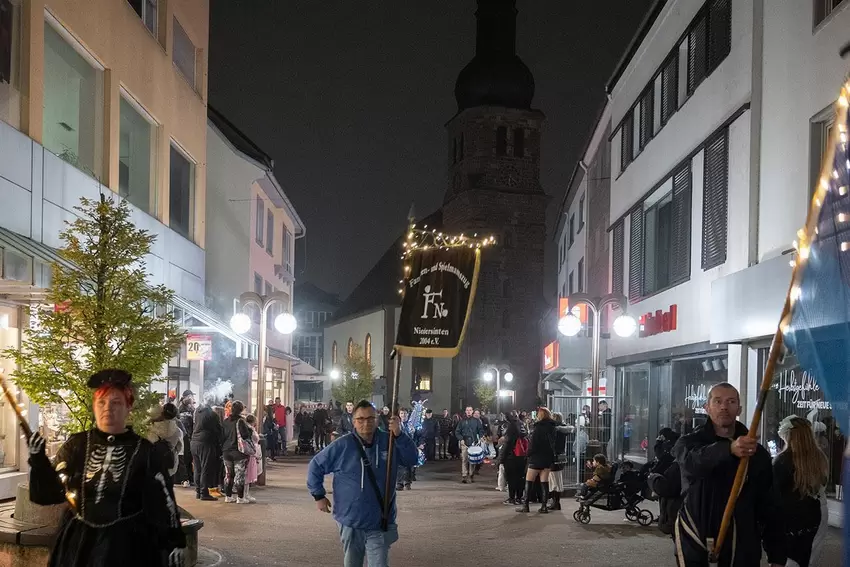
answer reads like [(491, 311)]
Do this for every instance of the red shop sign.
[(660, 322)]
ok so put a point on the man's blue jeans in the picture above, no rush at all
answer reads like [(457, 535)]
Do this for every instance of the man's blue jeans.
[(371, 545)]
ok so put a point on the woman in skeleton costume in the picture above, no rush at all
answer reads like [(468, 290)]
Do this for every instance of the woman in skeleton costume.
[(123, 510)]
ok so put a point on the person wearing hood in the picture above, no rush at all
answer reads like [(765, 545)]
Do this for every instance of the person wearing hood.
[(164, 432), (358, 463), (206, 450), (665, 480), (186, 417)]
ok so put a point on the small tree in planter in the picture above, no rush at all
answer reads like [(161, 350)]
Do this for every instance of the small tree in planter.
[(101, 314), (485, 394), (357, 380)]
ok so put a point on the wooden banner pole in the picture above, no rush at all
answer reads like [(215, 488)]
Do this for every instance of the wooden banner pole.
[(393, 412)]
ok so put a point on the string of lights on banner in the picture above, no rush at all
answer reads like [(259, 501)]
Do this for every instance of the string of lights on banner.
[(422, 239)]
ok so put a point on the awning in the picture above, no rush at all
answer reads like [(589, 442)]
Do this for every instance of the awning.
[(558, 377), (210, 319)]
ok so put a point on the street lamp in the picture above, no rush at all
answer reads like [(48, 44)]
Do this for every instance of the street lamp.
[(285, 324), (488, 377), (334, 374), (624, 326)]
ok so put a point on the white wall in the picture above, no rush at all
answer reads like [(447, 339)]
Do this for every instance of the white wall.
[(38, 193), (357, 328), (578, 250), (802, 75)]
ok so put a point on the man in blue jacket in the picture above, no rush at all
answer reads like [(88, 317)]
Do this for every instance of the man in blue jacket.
[(358, 462)]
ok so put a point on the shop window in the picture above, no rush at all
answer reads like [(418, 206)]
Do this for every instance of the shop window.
[(261, 215), (184, 53), (634, 418), (147, 11), (10, 62), (73, 104), (270, 232), (181, 194), (309, 391), (501, 141), (368, 348), (422, 374), (715, 201), (137, 157)]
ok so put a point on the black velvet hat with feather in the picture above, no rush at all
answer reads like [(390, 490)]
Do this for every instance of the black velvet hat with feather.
[(111, 377)]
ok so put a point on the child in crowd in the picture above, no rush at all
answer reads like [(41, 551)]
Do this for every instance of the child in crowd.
[(601, 476), (252, 467)]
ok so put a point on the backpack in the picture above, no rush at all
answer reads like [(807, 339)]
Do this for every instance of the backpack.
[(166, 455), (521, 447)]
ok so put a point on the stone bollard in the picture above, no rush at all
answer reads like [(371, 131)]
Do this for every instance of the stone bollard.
[(26, 511)]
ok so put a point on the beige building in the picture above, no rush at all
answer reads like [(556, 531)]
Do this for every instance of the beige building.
[(99, 95)]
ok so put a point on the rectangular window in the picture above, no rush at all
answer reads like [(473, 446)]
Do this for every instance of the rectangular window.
[(821, 131), (656, 106), (626, 139), (270, 232), (146, 9), (261, 215), (636, 254), (184, 53), (646, 106), (422, 374), (669, 88), (501, 141), (73, 105), (16, 267), (580, 276), (715, 201), (258, 284), (823, 8), (697, 53), (182, 194), (519, 142), (137, 158), (618, 259), (581, 213), (636, 147), (572, 229), (287, 249), (10, 62), (719, 32), (682, 71), (570, 282)]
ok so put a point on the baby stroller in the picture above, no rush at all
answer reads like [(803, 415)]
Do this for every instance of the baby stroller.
[(305, 443), (625, 493)]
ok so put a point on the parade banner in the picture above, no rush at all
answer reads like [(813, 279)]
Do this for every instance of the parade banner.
[(438, 296)]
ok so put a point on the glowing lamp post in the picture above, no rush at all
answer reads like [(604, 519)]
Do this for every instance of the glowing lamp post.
[(497, 374), (285, 324)]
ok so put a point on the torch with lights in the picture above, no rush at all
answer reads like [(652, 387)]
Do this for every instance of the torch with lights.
[(285, 324)]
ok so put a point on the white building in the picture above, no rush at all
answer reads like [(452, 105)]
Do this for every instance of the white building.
[(720, 112)]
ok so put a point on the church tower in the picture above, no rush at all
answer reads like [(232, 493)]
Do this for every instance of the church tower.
[(494, 188)]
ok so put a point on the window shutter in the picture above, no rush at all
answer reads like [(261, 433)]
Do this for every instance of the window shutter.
[(697, 56), (715, 201), (617, 258), (719, 32), (636, 255), (626, 141), (646, 103), (669, 88), (680, 263)]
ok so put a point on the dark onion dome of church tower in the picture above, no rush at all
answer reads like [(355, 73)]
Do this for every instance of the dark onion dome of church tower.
[(496, 76)]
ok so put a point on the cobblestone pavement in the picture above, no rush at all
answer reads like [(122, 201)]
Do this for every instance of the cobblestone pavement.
[(441, 522)]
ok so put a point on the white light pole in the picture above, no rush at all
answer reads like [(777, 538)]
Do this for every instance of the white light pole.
[(488, 377), (285, 324), (624, 326)]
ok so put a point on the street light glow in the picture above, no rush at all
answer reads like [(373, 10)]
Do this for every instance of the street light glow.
[(625, 326), (509, 376), (355, 375), (334, 374), (240, 323), (569, 325), (488, 376), (285, 323)]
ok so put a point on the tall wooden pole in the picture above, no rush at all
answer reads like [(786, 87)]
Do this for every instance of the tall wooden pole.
[(388, 485)]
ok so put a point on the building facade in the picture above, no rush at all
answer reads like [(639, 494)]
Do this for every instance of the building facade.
[(100, 97)]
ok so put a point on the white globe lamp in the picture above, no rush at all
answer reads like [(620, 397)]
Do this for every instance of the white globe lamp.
[(488, 376), (569, 325), (240, 323), (625, 326), (285, 323), (509, 377), (334, 374)]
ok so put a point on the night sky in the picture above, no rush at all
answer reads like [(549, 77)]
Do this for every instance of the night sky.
[(350, 98)]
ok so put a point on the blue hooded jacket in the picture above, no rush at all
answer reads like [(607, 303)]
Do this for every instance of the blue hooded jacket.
[(354, 502)]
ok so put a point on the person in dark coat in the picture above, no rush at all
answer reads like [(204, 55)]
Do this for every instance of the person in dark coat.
[(541, 459), (186, 416), (206, 450), (123, 509), (430, 431), (708, 459), (513, 452), (443, 441), (321, 418), (235, 461), (270, 430), (665, 480)]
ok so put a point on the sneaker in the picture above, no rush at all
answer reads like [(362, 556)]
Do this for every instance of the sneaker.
[(408, 487), (464, 480), (230, 499), (250, 499), (208, 498), (242, 500), (185, 484), (510, 502), (399, 487)]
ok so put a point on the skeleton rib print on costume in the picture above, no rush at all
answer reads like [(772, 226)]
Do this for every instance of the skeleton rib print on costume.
[(110, 462)]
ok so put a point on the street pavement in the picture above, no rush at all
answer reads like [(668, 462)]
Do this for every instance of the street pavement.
[(441, 522)]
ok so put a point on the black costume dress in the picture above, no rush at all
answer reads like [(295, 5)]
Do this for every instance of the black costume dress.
[(125, 509)]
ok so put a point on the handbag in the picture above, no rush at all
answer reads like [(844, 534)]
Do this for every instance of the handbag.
[(246, 447)]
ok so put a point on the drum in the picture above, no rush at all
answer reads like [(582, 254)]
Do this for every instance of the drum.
[(475, 455)]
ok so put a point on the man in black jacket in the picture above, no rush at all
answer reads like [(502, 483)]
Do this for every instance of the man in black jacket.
[(708, 459), (346, 423), (469, 431), (430, 430), (445, 422), (321, 420)]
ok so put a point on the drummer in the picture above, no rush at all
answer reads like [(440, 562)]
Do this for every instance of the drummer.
[(468, 432)]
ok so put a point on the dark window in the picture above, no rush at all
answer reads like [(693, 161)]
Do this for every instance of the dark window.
[(636, 255), (821, 133), (519, 142), (258, 284), (146, 9), (626, 141), (572, 229), (270, 232), (507, 290), (715, 201), (669, 88), (261, 215), (709, 41), (422, 374), (617, 258), (580, 281), (823, 8), (581, 213), (570, 282), (506, 320), (501, 141), (7, 41), (647, 101), (181, 188), (697, 56), (681, 249)]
